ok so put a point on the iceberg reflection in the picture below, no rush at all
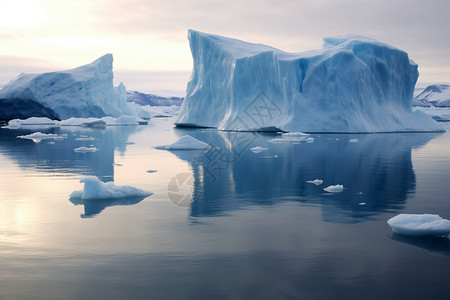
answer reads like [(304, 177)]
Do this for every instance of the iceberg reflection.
[(376, 172)]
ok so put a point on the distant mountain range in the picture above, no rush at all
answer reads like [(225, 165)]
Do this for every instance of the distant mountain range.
[(437, 95), (152, 100)]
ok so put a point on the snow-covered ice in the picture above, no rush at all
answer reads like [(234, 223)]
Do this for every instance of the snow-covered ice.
[(96, 189), (258, 149), (186, 142), (38, 136), (434, 95), (334, 188), (315, 181), (85, 149), (34, 122), (352, 84), (419, 224), (86, 91)]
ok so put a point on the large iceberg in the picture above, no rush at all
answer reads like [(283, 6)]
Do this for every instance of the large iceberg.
[(86, 91), (353, 84)]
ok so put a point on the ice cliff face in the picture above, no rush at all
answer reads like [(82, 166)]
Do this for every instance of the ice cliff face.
[(353, 84), (86, 91)]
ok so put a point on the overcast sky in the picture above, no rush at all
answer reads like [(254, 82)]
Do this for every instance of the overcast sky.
[(148, 38)]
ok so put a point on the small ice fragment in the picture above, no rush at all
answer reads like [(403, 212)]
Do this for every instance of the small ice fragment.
[(334, 188), (295, 134), (85, 139), (186, 142), (37, 137), (85, 149), (151, 171), (419, 225), (258, 149), (310, 140), (315, 181), (354, 140), (96, 189), (362, 203)]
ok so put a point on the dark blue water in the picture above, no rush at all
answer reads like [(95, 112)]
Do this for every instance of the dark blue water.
[(225, 223)]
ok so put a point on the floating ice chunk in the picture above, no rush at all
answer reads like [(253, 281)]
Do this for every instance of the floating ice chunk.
[(295, 134), (419, 224), (38, 136), (33, 121), (186, 142), (334, 188), (315, 181), (161, 111), (151, 171), (102, 122), (362, 203), (258, 149), (85, 149), (85, 139), (354, 140), (96, 189), (310, 140)]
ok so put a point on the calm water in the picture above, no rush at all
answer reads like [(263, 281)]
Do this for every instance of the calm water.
[(222, 224)]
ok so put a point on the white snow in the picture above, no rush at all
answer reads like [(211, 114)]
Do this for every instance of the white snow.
[(96, 189), (86, 91), (315, 181), (186, 142), (258, 149), (334, 188), (419, 224), (38, 136), (352, 84), (85, 149)]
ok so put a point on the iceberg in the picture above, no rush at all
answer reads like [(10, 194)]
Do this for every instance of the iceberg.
[(334, 188), (258, 149), (96, 189), (86, 91), (185, 142), (419, 225), (354, 84), (315, 181), (37, 137), (85, 149)]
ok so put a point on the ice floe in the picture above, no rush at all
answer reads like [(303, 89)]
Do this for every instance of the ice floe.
[(96, 189), (419, 225)]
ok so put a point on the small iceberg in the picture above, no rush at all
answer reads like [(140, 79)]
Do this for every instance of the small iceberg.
[(85, 139), (354, 140), (258, 149), (85, 149), (315, 181), (37, 137), (186, 142), (419, 225), (291, 137), (334, 188), (31, 122), (96, 189)]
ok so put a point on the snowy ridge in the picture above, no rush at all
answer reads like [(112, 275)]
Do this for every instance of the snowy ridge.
[(434, 95), (353, 84), (86, 91), (152, 100)]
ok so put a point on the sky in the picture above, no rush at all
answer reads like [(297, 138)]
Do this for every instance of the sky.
[(148, 38)]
